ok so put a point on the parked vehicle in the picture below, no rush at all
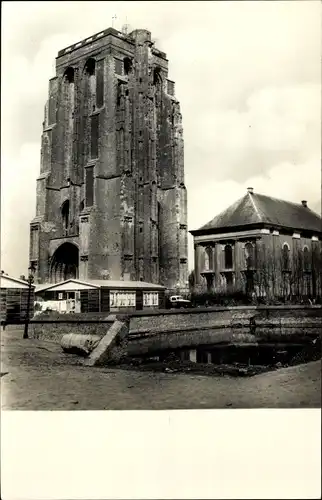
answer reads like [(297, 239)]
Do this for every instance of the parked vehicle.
[(179, 302)]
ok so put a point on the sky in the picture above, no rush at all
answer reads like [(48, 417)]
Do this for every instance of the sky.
[(248, 78)]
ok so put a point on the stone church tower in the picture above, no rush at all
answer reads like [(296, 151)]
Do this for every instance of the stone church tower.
[(111, 198)]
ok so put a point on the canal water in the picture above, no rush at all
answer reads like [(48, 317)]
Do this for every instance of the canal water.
[(251, 358)]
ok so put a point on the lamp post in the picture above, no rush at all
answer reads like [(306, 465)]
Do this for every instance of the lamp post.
[(31, 270)]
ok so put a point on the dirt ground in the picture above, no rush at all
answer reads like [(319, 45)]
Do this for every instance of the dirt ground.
[(37, 375)]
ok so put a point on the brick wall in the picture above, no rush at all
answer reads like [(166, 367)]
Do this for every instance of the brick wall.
[(52, 326), (152, 333)]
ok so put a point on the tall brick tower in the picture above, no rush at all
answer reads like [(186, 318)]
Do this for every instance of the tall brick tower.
[(111, 198)]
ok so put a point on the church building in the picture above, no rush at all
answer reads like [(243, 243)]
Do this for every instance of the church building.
[(111, 196), (261, 245)]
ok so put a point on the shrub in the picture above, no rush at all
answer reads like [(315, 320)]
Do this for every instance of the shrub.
[(211, 298)]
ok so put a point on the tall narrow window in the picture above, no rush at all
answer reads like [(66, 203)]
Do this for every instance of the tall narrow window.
[(89, 186), (286, 257), (306, 259), (100, 84), (118, 66), (90, 66), (119, 90), (94, 135), (90, 84), (157, 79), (228, 251), (208, 259), (53, 84), (249, 256), (65, 214), (69, 75), (127, 65)]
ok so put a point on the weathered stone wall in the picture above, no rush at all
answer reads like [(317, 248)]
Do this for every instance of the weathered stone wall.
[(209, 256), (112, 146), (54, 326), (148, 334), (166, 321)]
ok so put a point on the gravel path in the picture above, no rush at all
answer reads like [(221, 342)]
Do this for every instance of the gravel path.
[(37, 375)]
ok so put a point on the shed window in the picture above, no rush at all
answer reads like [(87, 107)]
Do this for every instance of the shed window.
[(150, 298), (122, 299)]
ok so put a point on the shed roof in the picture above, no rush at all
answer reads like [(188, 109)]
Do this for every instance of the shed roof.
[(254, 209), (75, 285), (7, 281)]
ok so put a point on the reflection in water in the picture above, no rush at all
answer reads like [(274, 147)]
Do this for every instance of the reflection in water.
[(268, 347)]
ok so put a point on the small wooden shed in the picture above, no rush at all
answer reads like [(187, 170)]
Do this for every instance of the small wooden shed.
[(14, 299), (74, 295)]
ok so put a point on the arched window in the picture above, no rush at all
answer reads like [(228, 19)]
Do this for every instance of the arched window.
[(69, 75), (157, 79), (306, 259), (228, 251), (127, 62), (249, 255), (90, 66), (208, 259), (286, 257), (81, 205), (65, 214)]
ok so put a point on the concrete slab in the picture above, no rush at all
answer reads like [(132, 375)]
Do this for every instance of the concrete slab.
[(109, 348)]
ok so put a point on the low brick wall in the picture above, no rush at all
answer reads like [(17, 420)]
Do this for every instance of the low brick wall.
[(166, 321), (153, 343), (151, 331), (54, 326), (175, 329)]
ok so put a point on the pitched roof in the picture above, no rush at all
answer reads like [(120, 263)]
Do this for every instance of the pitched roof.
[(126, 284), (70, 284), (257, 209), (76, 284), (10, 282)]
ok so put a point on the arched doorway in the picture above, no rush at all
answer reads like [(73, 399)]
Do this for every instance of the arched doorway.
[(64, 263)]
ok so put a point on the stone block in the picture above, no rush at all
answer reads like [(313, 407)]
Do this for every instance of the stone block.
[(110, 348)]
